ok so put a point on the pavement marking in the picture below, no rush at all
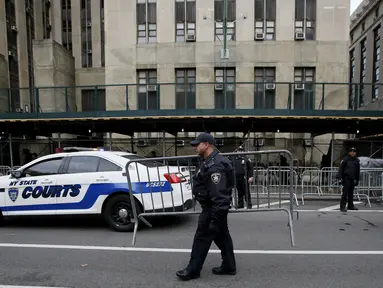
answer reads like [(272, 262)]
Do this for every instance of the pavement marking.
[(174, 250), (335, 207), (271, 204), (337, 211), (10, 286)]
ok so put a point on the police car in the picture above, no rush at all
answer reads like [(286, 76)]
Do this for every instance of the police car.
[(94, 182)]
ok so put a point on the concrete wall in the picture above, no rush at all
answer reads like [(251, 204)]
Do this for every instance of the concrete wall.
[(328, 53), (54, 66), (367, 18)]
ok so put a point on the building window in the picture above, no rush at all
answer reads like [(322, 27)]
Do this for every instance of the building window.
[(46, 19), (185, 89), (265, 16), (102, 33), (66, 16), (93, 99), (264, 88), (363, 66), (13, 62), (30, 25), (224, 96), (86, 34), (305, 17), (376, 66), (219, 18), (185, 20), (147, 94), (351, 100), (304, 90), (146, 21), (363, 26)]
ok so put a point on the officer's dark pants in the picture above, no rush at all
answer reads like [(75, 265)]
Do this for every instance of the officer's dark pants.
[(348, 194), (203, 239), (243, 191)]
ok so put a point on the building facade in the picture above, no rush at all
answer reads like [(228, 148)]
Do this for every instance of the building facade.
[(365, 62), (99, 42)]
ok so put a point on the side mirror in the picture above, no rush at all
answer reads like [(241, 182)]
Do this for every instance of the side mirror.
[(16, 173)]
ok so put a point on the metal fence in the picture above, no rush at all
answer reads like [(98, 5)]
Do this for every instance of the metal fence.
[(159, 189), (6, 170), (324, 183)]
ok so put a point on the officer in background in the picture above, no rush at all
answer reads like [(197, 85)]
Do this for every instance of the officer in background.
[(244, 175), (348, 174), (212, 188)]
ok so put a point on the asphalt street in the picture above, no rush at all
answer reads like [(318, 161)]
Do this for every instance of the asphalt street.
[(332, 250)]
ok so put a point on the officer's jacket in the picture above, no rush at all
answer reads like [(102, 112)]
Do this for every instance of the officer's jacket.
[(349, 169), (213, 184), (242, 166)]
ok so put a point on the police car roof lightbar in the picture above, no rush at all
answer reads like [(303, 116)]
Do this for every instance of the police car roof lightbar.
[(77, 149)]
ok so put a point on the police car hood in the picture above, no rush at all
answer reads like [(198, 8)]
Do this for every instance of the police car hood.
[(4, 177)]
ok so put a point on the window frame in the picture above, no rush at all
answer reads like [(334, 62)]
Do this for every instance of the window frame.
[(148, 80), (185, 27), (376, 63), (305, 24), (100, 158), (187, 85), (363, 71), (229, 85), (260, 89), (263, 24), (231, 21), (148, 27), (59, 171), (308, 93)]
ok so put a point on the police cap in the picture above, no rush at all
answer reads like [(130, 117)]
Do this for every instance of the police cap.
[(203, 138), (352, 149)]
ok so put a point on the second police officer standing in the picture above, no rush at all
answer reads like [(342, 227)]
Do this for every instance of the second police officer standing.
[(212, 188), (244, 176), (349, 172)]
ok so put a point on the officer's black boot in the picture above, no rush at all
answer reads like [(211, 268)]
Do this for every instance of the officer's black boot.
[(222, 271), (185, 275)]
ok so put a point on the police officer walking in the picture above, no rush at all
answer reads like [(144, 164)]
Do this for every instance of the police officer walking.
[(349, 172), (244, 175), (212, 188)]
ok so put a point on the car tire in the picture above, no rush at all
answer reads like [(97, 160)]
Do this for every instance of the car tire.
[(118, 213)]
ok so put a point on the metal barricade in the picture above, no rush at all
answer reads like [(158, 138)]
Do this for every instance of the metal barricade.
[(275, 183), (310, 182), (329, 186), (4, 170), (371, 182), (157, 189)]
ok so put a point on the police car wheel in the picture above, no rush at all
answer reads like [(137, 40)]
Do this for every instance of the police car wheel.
[(119, 214)]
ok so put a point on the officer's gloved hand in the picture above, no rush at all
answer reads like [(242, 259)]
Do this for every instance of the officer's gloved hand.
[(356, 182), (213, 225)]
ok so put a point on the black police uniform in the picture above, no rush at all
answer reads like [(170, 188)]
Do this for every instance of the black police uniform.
[(349, 172), (212, 188), (243, 171)]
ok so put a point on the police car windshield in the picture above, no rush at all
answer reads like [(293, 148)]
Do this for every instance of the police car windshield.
[(145, 163)]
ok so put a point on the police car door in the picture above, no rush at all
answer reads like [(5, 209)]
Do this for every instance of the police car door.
[(91, 178), (35, 192)]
